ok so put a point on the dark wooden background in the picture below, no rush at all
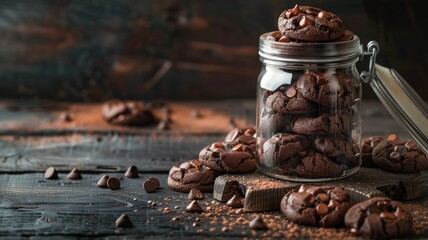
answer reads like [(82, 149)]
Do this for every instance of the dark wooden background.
[(91, 50)]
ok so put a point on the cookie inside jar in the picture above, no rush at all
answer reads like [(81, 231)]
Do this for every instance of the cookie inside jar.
[(309, 98)]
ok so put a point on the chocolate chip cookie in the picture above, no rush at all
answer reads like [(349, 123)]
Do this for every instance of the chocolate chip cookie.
[(324, 124), (229, 157), (289, 100), (191, 174), (323, 206), (400, 156), (317, 165), (310, 24), (367, 146), (133, 113), (282, 147), (339, 149), (334, 91), (379, 218)]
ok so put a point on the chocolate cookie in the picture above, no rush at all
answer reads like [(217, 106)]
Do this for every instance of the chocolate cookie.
[(340, 150), (229, 157), (317, 165), (379, 218), (400, 156), (132, 113), (310, 24), (334, 91), (289, 100), (323, 125), (367, 146), (241, 135), (274, 122), (323, 206), (191, 174), (281, 147)]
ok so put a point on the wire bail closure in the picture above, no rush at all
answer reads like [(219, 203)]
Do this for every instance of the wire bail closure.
[(372, 50)]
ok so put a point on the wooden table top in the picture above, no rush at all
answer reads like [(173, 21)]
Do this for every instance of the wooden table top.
[(32, 139)]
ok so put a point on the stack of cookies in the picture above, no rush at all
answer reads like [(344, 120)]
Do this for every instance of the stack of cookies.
[(236, 154)]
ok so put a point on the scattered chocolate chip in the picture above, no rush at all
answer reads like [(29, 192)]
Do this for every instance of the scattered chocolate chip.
[(102, 182), (74, 174), (131, 172), (235, 202), (113, 183), (123, 221), (258, 224), (195, 194), (155, 180), (150, 185), (194, 207), (51, 173), (225, 229), (195, 224)]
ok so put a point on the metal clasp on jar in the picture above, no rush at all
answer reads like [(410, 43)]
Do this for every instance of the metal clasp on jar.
[(372, 50)]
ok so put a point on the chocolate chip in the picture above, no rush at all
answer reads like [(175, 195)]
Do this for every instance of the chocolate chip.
[(150, 186), (322, 209), (292, 12), (323, 197), (155, 180), (51, 173), (235, 202), (258, 224), (216, 145), (131, 172), (392, 137), (238, 148), (332, 204), (284, 39), (395, 156), (305, 22), (123, 221), (401, 150), (324, 14), (74, 174), (291, 92), (245, 138), (102, 182), (388, 215), (195, 194), (194, 207), (410, 145), (113, 183), (250, 132)]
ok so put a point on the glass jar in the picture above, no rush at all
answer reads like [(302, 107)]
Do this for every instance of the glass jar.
[(308, 109)]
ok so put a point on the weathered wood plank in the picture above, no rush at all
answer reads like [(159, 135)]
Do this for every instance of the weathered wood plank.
[(31, 206)]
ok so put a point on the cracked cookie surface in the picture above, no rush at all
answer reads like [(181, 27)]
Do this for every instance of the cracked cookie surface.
[(191, 174), (229, 157), (310, 24)]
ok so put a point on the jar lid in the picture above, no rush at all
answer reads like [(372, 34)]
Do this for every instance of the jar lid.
[(403, 103)]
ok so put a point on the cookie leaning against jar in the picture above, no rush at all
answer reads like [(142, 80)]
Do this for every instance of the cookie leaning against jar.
[(323, 206), (229, 157), (399, 156)]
